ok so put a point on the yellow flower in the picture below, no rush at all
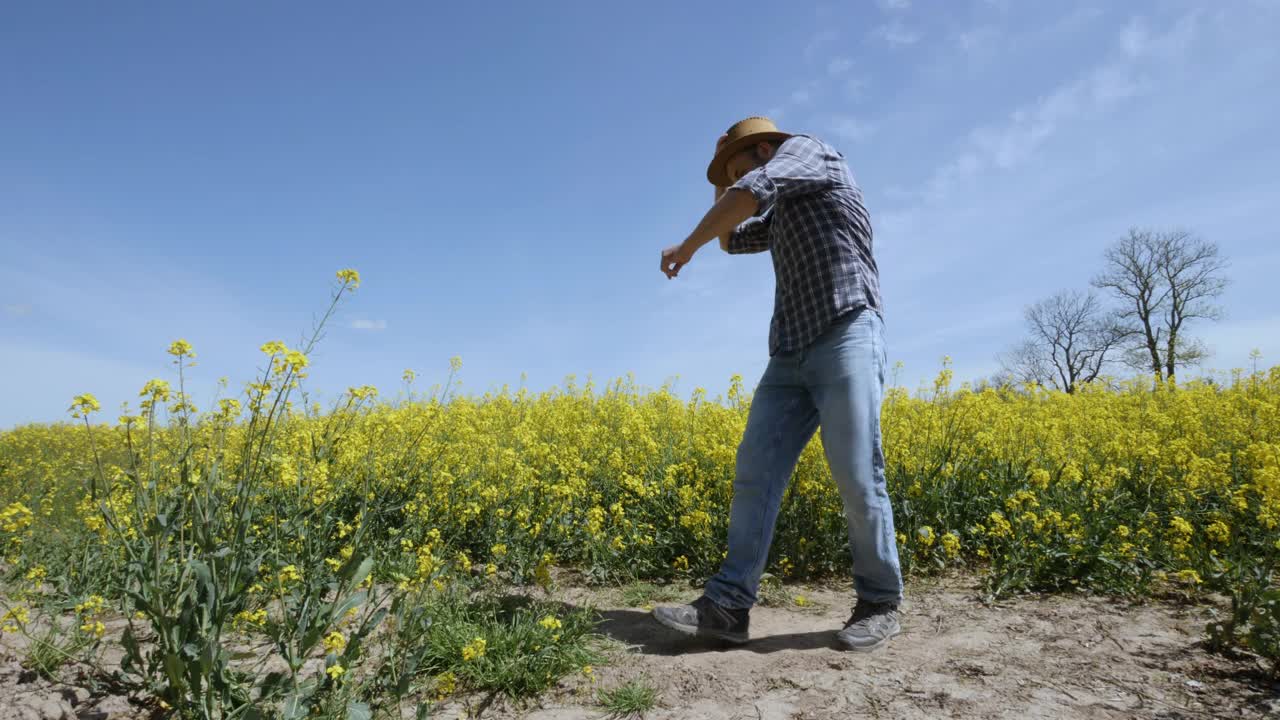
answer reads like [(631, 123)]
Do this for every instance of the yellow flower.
[(94, 627), (181, 348), (550, 623), (274, 347), (446, 684), (350, 278), (1181, 527), (252, 617), (951, 545), (801, 601), (15, 619), (589, 671), (16, 517), (82, 405), (295, 360), (335, 642), (1000, 526), (542, 573), (93, 604), (1218, 532), (335, 671), (925, 536), (473, 650), (289, 573), (499, 550)]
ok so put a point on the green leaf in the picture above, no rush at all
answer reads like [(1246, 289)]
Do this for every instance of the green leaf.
[(173, 669), (351, 601), (406, 675), (295, 707), (132, 654), (356, 569), (310, 638), (201, 570), (358, 711), (271, 684)]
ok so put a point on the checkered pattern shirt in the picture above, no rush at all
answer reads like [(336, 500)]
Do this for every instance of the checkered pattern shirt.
[(811, 219)]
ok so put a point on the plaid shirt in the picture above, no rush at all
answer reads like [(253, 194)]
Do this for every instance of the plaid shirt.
[(811, 220)]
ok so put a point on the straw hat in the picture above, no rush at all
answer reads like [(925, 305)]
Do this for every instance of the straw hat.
[(741, 136)]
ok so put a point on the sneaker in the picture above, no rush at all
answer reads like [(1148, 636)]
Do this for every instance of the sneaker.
[(704, 618), (870, 626)]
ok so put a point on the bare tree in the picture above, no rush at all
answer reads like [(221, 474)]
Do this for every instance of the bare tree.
[(1025, 363), (1163, 280), (1071, 340)]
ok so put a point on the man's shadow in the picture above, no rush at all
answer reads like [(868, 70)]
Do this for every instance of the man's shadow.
[(637, 629)]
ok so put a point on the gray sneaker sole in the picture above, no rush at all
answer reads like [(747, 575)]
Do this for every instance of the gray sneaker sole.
[(867, 648), (695, 631)]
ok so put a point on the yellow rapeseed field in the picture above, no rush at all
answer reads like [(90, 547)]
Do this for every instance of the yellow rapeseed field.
[(1127, 489)]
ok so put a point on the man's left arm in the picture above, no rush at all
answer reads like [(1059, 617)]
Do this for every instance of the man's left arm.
[(731, 210)]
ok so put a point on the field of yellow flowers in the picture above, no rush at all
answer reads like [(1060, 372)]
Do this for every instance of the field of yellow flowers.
[(316, 530)]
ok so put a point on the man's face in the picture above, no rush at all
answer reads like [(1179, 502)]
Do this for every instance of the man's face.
[(748, 159)]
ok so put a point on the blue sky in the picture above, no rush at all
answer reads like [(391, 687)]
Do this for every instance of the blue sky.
[(504, 175)]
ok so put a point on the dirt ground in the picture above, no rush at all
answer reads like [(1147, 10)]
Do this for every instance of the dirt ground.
[(1057, 657)]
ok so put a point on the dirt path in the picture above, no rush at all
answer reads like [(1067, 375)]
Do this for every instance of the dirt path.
[(1060, 657), (1053, 658)]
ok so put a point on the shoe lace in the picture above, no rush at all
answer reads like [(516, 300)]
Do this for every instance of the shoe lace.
[(864, 610), (703, 603)]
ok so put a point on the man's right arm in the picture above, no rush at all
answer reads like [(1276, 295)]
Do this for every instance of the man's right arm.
[(724, 239)]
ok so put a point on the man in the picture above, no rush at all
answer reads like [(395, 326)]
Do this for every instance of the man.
[(794, 196)]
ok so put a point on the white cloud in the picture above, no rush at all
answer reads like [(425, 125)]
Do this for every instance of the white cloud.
[(838, 66), (977, 39), (368, 324), (1134, 38), (897, 35), (1007, 145), (17, 310), (850, 128), (853, 86), (892, 5), (800, 97), (818, 43)]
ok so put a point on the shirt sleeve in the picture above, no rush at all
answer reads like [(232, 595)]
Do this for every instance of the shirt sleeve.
[(751, 236), (798, 168)]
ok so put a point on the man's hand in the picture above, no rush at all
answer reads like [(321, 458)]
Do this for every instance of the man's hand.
[(674, 258), (729, 211)]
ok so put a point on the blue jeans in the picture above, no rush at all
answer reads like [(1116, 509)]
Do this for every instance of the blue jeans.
[(838, 382)]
